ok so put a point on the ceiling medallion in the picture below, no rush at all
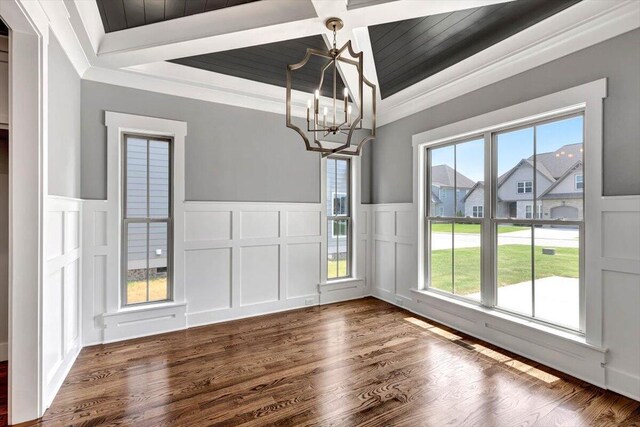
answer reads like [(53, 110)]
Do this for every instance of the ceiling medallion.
[(335, 120)]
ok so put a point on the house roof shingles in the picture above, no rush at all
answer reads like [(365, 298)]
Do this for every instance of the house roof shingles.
[(442, 176)]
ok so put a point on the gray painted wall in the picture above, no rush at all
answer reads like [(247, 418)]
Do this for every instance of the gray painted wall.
[(64, 124), (232, 153), (618, 59)]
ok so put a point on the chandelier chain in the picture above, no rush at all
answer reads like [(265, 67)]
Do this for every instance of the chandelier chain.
[(334, 36)]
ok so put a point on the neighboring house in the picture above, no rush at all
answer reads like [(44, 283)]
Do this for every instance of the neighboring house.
[(445, 192), (474, 201), (158, 205), (559, 182), (337, 204)]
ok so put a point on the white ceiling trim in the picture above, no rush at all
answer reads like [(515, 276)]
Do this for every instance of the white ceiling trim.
[(583, 25), (262, 22), (173, 79)]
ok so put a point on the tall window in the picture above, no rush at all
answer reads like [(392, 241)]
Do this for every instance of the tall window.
[(146, 220), (579, 182), (339, 218), (521, 253), (454, 268)]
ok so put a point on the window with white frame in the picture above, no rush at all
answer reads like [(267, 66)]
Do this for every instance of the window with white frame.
[(146, 222), (525, 187), (338, 186), (534, 268), (528, 211), (579, 182)]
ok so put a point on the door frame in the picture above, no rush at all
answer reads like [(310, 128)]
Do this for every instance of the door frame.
[(28, 41)]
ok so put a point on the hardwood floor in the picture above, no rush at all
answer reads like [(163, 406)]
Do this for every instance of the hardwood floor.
[(362, 362)]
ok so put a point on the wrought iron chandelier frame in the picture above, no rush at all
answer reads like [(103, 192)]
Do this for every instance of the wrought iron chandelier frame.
[(335, 56)]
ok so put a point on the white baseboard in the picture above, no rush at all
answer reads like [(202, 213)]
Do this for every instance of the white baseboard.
[(578, 361), (4, 351), (623, 382)]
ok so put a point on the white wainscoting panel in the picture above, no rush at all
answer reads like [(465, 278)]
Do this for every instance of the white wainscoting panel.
[(394, 270), (61, 321), (240, 260), (259, 274), (620, 272), (259, 224), (204, 225), (208, 279), (303, 269), (614, 365), (303, 223)]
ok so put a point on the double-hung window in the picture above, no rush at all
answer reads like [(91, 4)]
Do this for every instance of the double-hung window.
[(525, 187), (579, 181), (338, 187), (509, 256), (147, 220)]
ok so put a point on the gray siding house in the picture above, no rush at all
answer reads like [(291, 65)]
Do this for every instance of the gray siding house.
[(559, 187), (445, 192)]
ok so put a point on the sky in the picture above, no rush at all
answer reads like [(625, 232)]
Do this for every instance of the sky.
[(512, 147)]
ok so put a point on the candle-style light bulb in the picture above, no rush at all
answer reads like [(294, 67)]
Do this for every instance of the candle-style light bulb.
[(346, 103), (349, 115), (316, 107)]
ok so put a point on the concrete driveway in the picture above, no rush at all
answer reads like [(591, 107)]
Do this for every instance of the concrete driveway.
[(557, 299), (551, 237)]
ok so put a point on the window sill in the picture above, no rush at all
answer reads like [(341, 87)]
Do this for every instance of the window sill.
[(508, 322), (346, 280), (145, 308)]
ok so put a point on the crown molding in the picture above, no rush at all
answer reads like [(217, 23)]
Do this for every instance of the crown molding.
[(60, 24), (585, 24), (578, 27)]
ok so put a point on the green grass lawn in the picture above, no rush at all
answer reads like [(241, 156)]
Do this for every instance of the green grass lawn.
[(472, 228), (137, 290), (336, 269), (514, 266)]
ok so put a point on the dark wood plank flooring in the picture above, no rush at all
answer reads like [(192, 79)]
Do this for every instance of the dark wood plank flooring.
[(362, 362)]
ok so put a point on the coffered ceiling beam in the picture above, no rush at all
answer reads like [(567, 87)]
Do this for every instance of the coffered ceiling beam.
[(247, 25)]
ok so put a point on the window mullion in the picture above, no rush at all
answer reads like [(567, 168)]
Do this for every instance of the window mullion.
[(488, 239)]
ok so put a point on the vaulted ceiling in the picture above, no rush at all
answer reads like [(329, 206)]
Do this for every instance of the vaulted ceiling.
[(404, 52), (124, 14), (417, 52), (408, 51)]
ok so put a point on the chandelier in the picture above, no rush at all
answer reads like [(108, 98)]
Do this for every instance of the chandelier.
[(335, 122)]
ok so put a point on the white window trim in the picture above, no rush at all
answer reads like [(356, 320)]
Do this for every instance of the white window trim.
[(587, 98), (475, 211), (575, 181), (117, 125)]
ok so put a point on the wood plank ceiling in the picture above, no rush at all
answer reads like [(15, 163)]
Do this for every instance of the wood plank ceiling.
[(406, 52), (267, 64), (124, 14)]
